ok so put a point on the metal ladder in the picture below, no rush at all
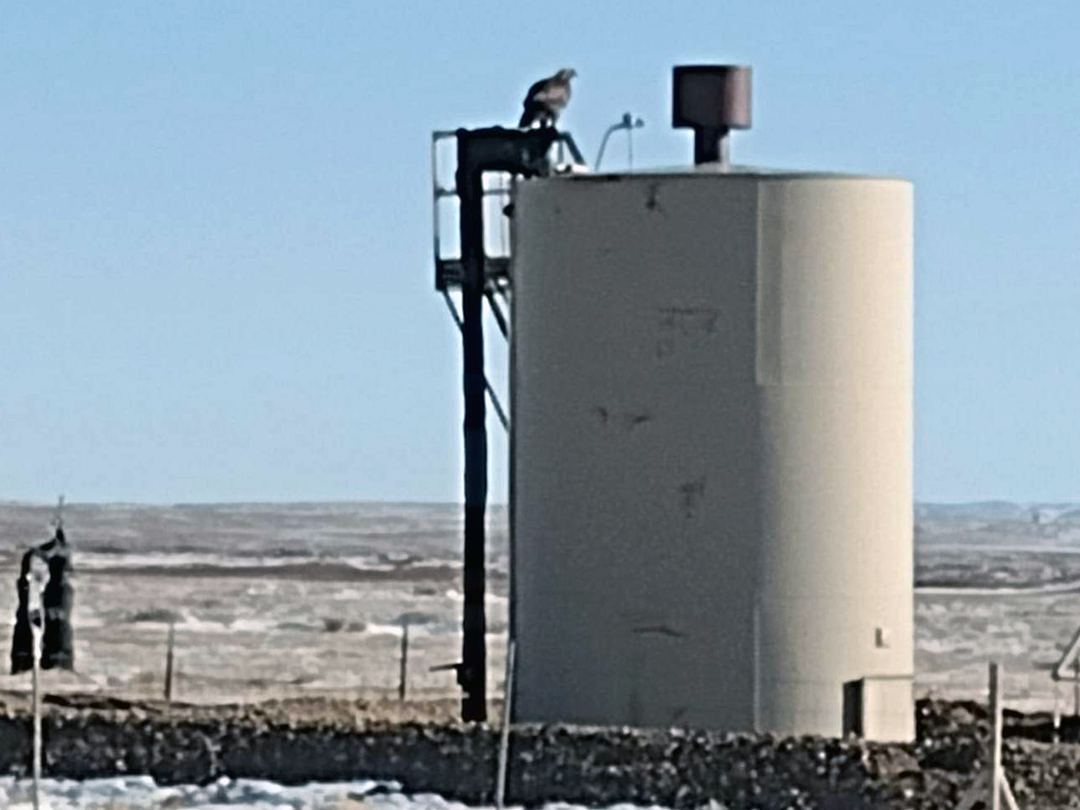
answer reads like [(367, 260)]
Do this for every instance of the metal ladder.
[(449, 270)]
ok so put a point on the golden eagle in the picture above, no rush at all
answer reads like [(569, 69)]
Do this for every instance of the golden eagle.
[(546, 99)]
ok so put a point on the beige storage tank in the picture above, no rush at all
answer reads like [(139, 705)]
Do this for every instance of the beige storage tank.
[(711, 454)]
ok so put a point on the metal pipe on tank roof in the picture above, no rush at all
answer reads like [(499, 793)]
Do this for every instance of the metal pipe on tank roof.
[(712, 100)]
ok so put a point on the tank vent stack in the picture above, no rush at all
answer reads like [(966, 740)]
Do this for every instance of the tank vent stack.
[(712, 100)]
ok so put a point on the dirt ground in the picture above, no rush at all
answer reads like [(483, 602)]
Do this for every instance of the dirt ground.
[(336, 710)]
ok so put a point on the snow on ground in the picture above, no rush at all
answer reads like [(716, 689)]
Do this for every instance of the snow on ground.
[(141, 793)]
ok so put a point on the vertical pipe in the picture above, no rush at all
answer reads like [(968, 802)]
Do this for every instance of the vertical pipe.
[(712, 146), (435, 206), (169, 662), (995, 745), (504, 732), (1056, 716), (757, 665), (472, 675), (1076, 687), (512, 460), (36, 687), (404, 673)]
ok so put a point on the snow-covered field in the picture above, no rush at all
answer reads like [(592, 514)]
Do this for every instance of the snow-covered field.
[(295, 599), (266, 600)]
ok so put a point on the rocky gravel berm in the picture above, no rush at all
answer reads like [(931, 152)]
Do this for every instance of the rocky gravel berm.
[(678, 768)]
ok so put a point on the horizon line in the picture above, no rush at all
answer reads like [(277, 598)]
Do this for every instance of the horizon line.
[(370, 501)]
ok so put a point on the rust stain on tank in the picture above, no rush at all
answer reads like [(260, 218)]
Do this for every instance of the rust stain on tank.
[(684, 325), (660, 630), (689, 321), (652, 198), (690, 495), (627, 420)]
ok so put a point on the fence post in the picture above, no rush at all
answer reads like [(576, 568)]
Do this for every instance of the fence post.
[(36, 689), (1056, 717), (995, 780), (1076, 687), (995, 744), (169, 662), (504, 732), (404, 674)]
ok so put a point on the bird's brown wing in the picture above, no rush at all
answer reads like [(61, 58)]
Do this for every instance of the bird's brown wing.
[(546, 97), (534, 105), (536, 89)]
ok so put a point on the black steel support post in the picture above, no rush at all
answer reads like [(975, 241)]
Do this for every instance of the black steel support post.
[(472, 675), (522, 153)]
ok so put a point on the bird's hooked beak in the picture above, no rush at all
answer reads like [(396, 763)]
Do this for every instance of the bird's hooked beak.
[(567, 73)]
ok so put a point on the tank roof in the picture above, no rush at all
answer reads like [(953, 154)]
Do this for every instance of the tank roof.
[(728, 171)]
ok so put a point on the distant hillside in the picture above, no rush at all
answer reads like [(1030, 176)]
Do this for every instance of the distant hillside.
[(317, 530), (343, 528), (986, 510), (999, 523)]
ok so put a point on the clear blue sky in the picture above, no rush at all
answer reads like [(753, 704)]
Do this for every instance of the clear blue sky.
[(215, 273)]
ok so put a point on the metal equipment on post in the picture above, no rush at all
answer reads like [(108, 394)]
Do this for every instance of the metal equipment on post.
[(515, 152)]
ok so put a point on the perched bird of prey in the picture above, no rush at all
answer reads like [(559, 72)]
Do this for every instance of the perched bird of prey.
[(546, 99)]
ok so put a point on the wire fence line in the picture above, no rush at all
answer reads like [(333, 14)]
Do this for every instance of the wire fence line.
[(139, 661)]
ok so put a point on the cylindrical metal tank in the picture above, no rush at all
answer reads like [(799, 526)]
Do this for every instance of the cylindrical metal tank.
[(711, 451)]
